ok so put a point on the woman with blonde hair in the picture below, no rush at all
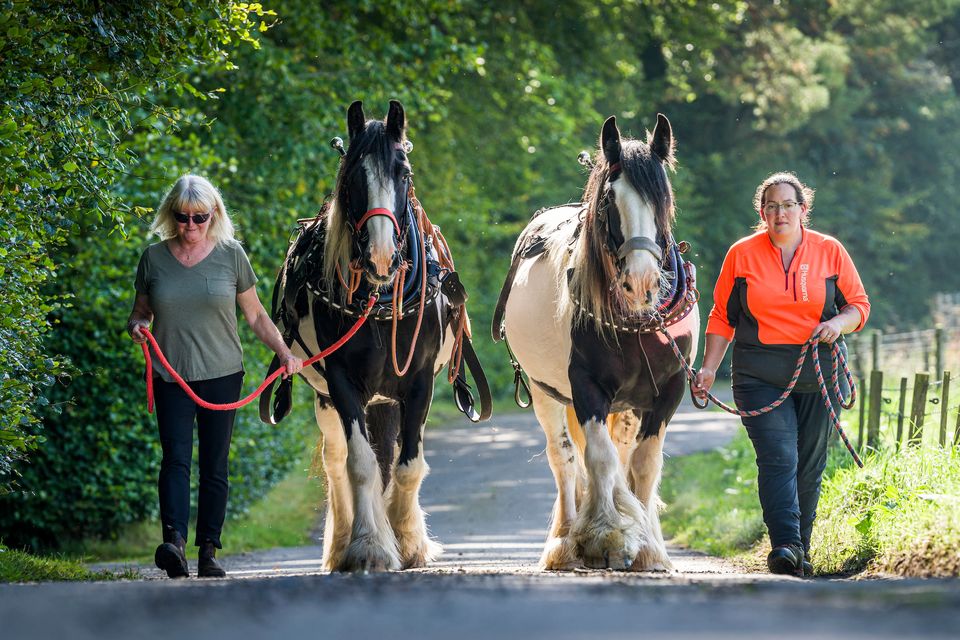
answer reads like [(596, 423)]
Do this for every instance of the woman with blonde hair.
[(188, 286)]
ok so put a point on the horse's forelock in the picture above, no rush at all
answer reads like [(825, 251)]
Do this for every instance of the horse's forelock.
[(648, 175), (373, 142)]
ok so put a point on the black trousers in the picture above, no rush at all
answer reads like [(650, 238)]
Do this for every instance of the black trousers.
[(176, 414), (791, 447)]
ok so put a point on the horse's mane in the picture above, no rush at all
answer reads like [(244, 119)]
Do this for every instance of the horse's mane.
[(372, 142), (593, 268)]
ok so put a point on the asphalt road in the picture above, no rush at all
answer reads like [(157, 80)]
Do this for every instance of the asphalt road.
[(489, 496)]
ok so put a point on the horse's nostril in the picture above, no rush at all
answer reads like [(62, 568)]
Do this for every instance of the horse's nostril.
[(627, 287), (649, 297)]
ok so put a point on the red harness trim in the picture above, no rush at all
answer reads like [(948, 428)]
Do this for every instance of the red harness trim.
[(379, 211)]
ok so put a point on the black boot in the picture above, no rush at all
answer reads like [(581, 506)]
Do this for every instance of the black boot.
[(207, 565), (786, 559), (170, 555)]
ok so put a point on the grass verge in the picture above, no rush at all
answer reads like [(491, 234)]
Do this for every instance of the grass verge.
[(899, 515), (19, 566), (712, 501)]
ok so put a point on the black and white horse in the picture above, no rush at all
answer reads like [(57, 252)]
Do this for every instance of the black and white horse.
[(588, 286), (370, 233)]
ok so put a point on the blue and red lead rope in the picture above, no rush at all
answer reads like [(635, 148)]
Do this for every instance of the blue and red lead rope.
[(837, 361)]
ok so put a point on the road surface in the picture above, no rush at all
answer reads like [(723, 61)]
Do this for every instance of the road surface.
[(489, 497)]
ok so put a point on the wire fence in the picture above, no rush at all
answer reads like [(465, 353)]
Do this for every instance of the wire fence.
[(910, 382)]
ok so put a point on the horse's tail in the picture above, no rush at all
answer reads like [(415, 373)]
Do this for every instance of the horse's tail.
[(383, 427)]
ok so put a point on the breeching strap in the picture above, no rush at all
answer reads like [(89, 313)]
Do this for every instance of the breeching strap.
[(266, 382), (838, 361)]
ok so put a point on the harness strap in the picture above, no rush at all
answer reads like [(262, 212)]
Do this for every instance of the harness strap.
[(461, 389), (379, 211), (531, 247), (640, 243)]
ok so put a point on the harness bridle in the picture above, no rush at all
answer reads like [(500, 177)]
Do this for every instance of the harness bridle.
[(619, 251), (400, 228), (378, 211)]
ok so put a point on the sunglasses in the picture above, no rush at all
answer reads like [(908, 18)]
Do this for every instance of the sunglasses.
[(198, 218)]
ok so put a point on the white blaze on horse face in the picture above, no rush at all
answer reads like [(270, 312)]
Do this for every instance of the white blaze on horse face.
[(380, 195), (641, 271)]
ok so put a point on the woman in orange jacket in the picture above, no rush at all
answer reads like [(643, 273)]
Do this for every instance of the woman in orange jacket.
[(779, 288)]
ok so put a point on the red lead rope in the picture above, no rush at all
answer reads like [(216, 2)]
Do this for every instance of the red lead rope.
[(266, 382)]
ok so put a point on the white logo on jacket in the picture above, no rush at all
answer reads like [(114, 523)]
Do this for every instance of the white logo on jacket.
[(804, 268)]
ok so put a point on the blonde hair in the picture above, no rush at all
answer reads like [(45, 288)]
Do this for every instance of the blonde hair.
[(193, 191)]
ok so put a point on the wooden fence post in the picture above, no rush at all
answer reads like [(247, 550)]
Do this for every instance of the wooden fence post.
[(921, 384), (901, 408), (944, 408), (875, 355), (876, 402), (956, 431), (863, 404), (938, 348)]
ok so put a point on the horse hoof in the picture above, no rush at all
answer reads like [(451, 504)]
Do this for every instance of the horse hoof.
[(364, 555), (426, 553), (610, 551), (651, 559), (560, 554)]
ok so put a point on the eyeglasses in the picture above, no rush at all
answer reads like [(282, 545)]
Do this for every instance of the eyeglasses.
[(772, 207), (198, 218)]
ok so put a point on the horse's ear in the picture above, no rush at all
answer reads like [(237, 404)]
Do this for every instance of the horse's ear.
[(661, 140), (356, 121), (396, 121), (610, 140)]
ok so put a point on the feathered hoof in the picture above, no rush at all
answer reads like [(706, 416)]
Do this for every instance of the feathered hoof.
[(652, 559), (333, 560), (560, 554), (366, 554), (614, 548), (420, 555)]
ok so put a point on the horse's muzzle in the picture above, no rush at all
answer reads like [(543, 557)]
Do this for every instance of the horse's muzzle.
[(379, 267), (640, 291)]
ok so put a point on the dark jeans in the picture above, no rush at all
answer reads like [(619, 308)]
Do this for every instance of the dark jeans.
[(791, 446), (176, 413)]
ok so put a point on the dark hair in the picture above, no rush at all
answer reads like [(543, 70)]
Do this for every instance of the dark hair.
[(804, 194)]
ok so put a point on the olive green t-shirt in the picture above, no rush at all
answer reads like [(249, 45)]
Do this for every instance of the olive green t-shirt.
[(195, 309)]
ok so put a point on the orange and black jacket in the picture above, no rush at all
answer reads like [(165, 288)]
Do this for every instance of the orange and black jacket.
[(769, 311)]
